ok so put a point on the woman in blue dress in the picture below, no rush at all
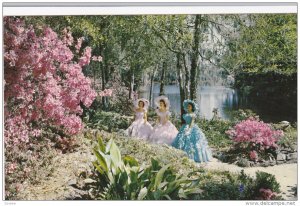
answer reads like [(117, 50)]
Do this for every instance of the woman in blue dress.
[(190, 137)]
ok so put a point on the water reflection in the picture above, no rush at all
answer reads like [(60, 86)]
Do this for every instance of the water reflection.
[(208, 98)]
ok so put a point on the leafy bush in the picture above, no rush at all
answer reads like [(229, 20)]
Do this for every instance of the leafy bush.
[(241, 187), (43, 88), (242, 114), (124, 179), (214, 131), (142, 150), (107, 121), (119, 101), (289, 140), (254, 139), (263, 187), (44, 83)]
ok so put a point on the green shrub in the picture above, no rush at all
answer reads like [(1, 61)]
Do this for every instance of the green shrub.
[(239, 187), (289, 140), (242, 114), (214, 131), (124, 179), (108, 121)]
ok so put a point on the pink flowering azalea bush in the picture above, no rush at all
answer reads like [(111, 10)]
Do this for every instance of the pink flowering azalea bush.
[(43, 85), (254, 138)]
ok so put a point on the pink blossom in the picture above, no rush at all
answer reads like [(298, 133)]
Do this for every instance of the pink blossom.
[(36, 132), (106, 93), (135, 95), (85, 59), (43, 82), (79, 43), (10, 168), (95, 58), (73, 124), (267, 194), (255, 132), (68, 38), (253, 155)]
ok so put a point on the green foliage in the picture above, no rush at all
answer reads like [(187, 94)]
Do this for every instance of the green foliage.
[(214, 131), (211, 182), (265, 180), (240, 187), (242, 114), (108, 121), (124, 179), (289, 140), (266, 43), (263, 58)]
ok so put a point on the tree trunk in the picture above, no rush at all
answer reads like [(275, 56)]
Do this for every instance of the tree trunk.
[(151, 85), (129, 96), (131, 84), (187, 79), (181, 89), (103, 65), (195, 58), (162, 79), (95, 77)]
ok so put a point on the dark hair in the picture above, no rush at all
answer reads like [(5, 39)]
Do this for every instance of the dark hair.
[(142, 102), (163, 102), (193, 109)]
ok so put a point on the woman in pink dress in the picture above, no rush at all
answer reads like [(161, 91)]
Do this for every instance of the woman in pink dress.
[(164, 131), (140, 128)]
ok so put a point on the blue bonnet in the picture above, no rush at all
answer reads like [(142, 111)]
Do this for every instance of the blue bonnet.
[(187, 102)]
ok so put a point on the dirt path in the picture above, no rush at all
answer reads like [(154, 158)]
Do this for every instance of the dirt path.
[(285, 174)]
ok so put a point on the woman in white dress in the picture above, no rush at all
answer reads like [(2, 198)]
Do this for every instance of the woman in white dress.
[(164, 131), (140, 128)]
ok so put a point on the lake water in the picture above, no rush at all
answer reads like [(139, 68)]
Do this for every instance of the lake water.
[(208, 98), (224, 99)]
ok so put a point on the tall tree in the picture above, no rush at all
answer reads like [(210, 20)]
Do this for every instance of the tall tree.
[(195, 58)]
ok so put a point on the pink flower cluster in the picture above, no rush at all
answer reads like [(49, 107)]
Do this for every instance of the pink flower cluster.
[(253, 155), (106, 93), (86, 58), (10, 168), (78, 45), (44, 85), (68, 38), (267, 194), (255, 132), (97, 58)]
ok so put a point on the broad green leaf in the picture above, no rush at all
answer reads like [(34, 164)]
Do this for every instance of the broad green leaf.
[(123, 180), (130, 160), (108, 146), (115, 154), (159, 176), (99, 169), (168, 197), (181, 194), (154, 164), (161, 185), (100, 143), (101, 160), (193, 191), (142, 194)]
